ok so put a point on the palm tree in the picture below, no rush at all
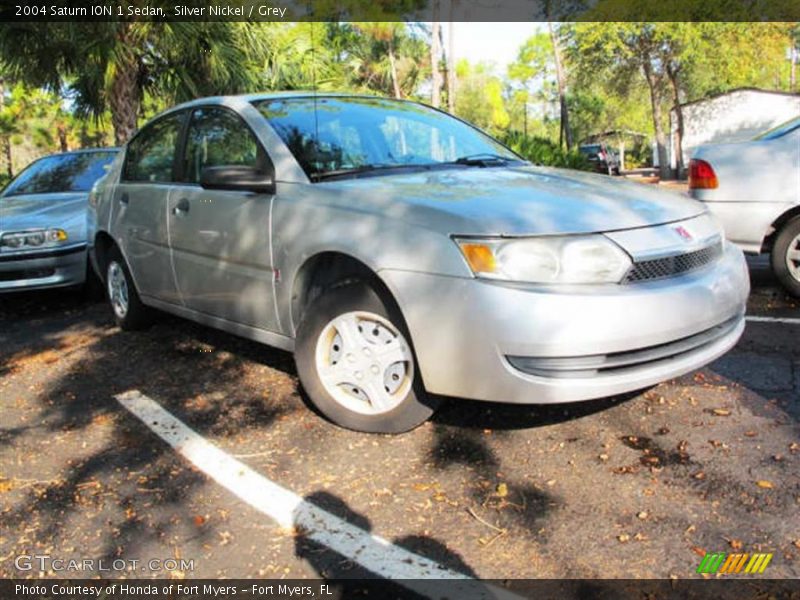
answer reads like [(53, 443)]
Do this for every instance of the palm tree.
[(109, 66)]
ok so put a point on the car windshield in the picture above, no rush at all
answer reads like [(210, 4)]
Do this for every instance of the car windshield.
[(780, 130), (75, 172), (333, 136), (593, 149)]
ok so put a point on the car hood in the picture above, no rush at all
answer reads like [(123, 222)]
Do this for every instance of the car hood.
[(40, 211), (520, 200)]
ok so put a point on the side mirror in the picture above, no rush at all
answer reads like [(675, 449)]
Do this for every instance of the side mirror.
[(237, 178)]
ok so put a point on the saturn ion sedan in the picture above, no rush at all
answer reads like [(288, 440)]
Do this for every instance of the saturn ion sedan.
[(403, 255), (43, 221), (753, 188)]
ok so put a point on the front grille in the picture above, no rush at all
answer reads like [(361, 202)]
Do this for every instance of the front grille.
[(669, 266), (620, 362)]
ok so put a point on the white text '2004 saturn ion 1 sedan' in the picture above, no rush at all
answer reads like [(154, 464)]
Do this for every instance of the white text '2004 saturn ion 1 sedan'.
[(404, 255)]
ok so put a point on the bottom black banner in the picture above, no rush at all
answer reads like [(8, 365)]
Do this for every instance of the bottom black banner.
[(436, 589)]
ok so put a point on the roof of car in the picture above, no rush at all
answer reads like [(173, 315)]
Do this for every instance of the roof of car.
[(277, 95)]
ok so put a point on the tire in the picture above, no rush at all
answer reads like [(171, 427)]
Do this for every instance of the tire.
[(126, 306), (376, 387), (785, 257)]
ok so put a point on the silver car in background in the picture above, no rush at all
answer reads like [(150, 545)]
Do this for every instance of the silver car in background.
[(403, 255), (43, 220), (753, 188)]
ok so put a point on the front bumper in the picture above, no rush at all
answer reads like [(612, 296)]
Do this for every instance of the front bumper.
[(36, 269), (464, 331)]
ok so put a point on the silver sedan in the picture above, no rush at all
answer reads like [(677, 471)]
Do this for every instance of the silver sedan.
[(404, 255), (753, 188), (43, 221)]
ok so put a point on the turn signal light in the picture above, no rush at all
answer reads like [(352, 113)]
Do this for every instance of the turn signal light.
[(701, 175), (480, 257)]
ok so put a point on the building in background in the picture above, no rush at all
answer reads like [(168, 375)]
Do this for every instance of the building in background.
[(733, 116)]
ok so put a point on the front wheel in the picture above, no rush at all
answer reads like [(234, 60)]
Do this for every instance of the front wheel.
[(356, 362), (786, 257)]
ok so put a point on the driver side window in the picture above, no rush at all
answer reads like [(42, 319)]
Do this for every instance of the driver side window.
[(217, 137)]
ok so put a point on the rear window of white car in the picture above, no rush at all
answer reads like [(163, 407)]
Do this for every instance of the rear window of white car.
[(780, 130)]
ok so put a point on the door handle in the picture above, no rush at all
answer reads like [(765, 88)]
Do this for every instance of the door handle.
[(182, 207), (124, 198)]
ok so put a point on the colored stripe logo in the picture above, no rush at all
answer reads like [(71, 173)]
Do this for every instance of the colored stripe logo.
[(720, 562)]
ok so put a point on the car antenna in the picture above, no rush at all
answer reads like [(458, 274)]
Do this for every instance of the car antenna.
[(314, 87)]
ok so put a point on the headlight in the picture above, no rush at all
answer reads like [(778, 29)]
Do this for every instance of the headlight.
[(33, 239), (568, 259)]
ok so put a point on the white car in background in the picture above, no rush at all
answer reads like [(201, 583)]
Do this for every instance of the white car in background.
[(753, 188)]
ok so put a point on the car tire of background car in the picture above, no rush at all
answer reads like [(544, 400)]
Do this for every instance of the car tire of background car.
[(356, 362), (129, 312), (786, 268)]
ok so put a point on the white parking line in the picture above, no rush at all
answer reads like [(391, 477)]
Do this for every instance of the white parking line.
[(785, 320), (286, 508)]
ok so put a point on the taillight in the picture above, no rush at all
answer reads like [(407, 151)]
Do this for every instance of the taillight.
[(701, 175)]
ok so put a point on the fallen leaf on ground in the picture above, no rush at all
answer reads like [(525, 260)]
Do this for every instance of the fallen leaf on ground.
[(763, 483)]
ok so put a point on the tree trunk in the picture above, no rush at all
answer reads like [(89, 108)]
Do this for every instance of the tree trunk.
[(5, 141), (125, 94), (676, 99), (436, 74), (451, 64), (565, 131), (655, 103), (61, 131), (393, 71)]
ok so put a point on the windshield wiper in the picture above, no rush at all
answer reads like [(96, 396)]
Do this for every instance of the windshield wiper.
[(484, 159), (363, 169)]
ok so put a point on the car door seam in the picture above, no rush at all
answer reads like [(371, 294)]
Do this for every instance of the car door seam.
[(272, 264), (169, 245)]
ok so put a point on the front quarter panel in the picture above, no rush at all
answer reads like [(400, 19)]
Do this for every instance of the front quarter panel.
[(309, 219)]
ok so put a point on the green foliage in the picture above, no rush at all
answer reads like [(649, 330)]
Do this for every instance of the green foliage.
[(79, 77), (480, 98), (543, 151)]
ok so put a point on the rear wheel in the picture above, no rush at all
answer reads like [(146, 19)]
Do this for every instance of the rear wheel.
[(786, 256), (356, 363), (129, 312)]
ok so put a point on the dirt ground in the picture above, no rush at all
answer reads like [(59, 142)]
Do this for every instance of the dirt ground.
[(636, 486)]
